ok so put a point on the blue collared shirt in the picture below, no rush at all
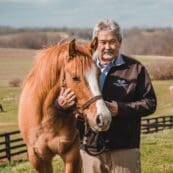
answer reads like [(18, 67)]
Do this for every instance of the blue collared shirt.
[(106, 68)]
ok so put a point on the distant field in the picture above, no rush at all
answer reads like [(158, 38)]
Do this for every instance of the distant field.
[(14, 63), (146, 59)]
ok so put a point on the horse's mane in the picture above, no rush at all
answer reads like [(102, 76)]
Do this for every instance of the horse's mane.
[(45, 72)]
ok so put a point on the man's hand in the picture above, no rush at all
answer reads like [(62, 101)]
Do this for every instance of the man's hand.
[(66, 98), (113, 107)]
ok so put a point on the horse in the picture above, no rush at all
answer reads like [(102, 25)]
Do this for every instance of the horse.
[(46, 130)]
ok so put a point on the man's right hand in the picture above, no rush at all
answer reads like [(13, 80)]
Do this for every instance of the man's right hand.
[(66, 98)]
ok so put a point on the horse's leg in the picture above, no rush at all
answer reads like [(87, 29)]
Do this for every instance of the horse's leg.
[(72, 160), (72, 164), (40, 164)]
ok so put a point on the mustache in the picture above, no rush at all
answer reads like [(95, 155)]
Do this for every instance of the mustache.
[(108, 51)]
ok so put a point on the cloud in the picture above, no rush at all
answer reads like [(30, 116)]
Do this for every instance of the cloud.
[(26, 1), (85, 13)]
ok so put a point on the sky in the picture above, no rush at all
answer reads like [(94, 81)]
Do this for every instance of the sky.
[(85, 13)]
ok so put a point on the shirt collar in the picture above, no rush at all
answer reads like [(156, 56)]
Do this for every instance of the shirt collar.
[(119, 60), (115, 62)]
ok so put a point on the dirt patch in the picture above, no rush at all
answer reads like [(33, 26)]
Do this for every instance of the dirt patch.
[(8, 124)]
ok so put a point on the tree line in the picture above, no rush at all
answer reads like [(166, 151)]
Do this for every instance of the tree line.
[(143, 41)]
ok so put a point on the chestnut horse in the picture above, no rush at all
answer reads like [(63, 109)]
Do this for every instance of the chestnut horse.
[(48, 131)]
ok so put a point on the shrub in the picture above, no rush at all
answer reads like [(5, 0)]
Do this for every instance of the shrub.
[(15, 82), (161, 69)]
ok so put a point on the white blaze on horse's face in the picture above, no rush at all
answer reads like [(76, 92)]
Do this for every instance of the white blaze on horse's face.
[(103, 118)]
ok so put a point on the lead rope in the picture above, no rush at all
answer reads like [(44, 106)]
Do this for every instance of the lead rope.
[(87, 147), (85, 132)]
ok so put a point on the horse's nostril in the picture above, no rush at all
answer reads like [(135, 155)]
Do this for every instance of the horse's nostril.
[(99, 120)]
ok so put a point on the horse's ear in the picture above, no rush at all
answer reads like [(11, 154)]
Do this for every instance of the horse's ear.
[(72, 47), (93, 44)]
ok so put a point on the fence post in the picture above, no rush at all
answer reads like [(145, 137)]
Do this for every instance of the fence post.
[(171, 121), (156, 125), (148, 127), (7, 146)]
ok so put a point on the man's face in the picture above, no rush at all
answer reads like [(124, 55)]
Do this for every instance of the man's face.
[(108, 46)]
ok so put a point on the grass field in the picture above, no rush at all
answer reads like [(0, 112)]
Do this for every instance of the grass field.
[(146, 59), (157, 152), (157, 149), (9, 97), (14, 63), (25, 167), (156, 156)]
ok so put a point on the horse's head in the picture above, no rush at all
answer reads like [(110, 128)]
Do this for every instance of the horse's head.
[(80, 74)]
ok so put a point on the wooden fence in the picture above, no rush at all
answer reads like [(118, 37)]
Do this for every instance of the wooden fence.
[(11, 144), (151, 125)]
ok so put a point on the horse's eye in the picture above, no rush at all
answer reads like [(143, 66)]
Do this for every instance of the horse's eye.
[(76, 78)]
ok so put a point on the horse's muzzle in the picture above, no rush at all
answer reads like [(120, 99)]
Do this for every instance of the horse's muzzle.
[(102, 122)]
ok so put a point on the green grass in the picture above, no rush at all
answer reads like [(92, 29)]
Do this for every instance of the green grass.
[(165, 101), (157, 152), (156, 156), (26, 167), (9, 97)]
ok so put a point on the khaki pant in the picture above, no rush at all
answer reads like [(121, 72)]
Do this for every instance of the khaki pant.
[(118, 161)]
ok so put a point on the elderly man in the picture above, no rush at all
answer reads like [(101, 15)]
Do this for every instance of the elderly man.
[(128, 93)]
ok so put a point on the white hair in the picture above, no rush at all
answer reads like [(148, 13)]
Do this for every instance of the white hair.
[(108, 25)]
